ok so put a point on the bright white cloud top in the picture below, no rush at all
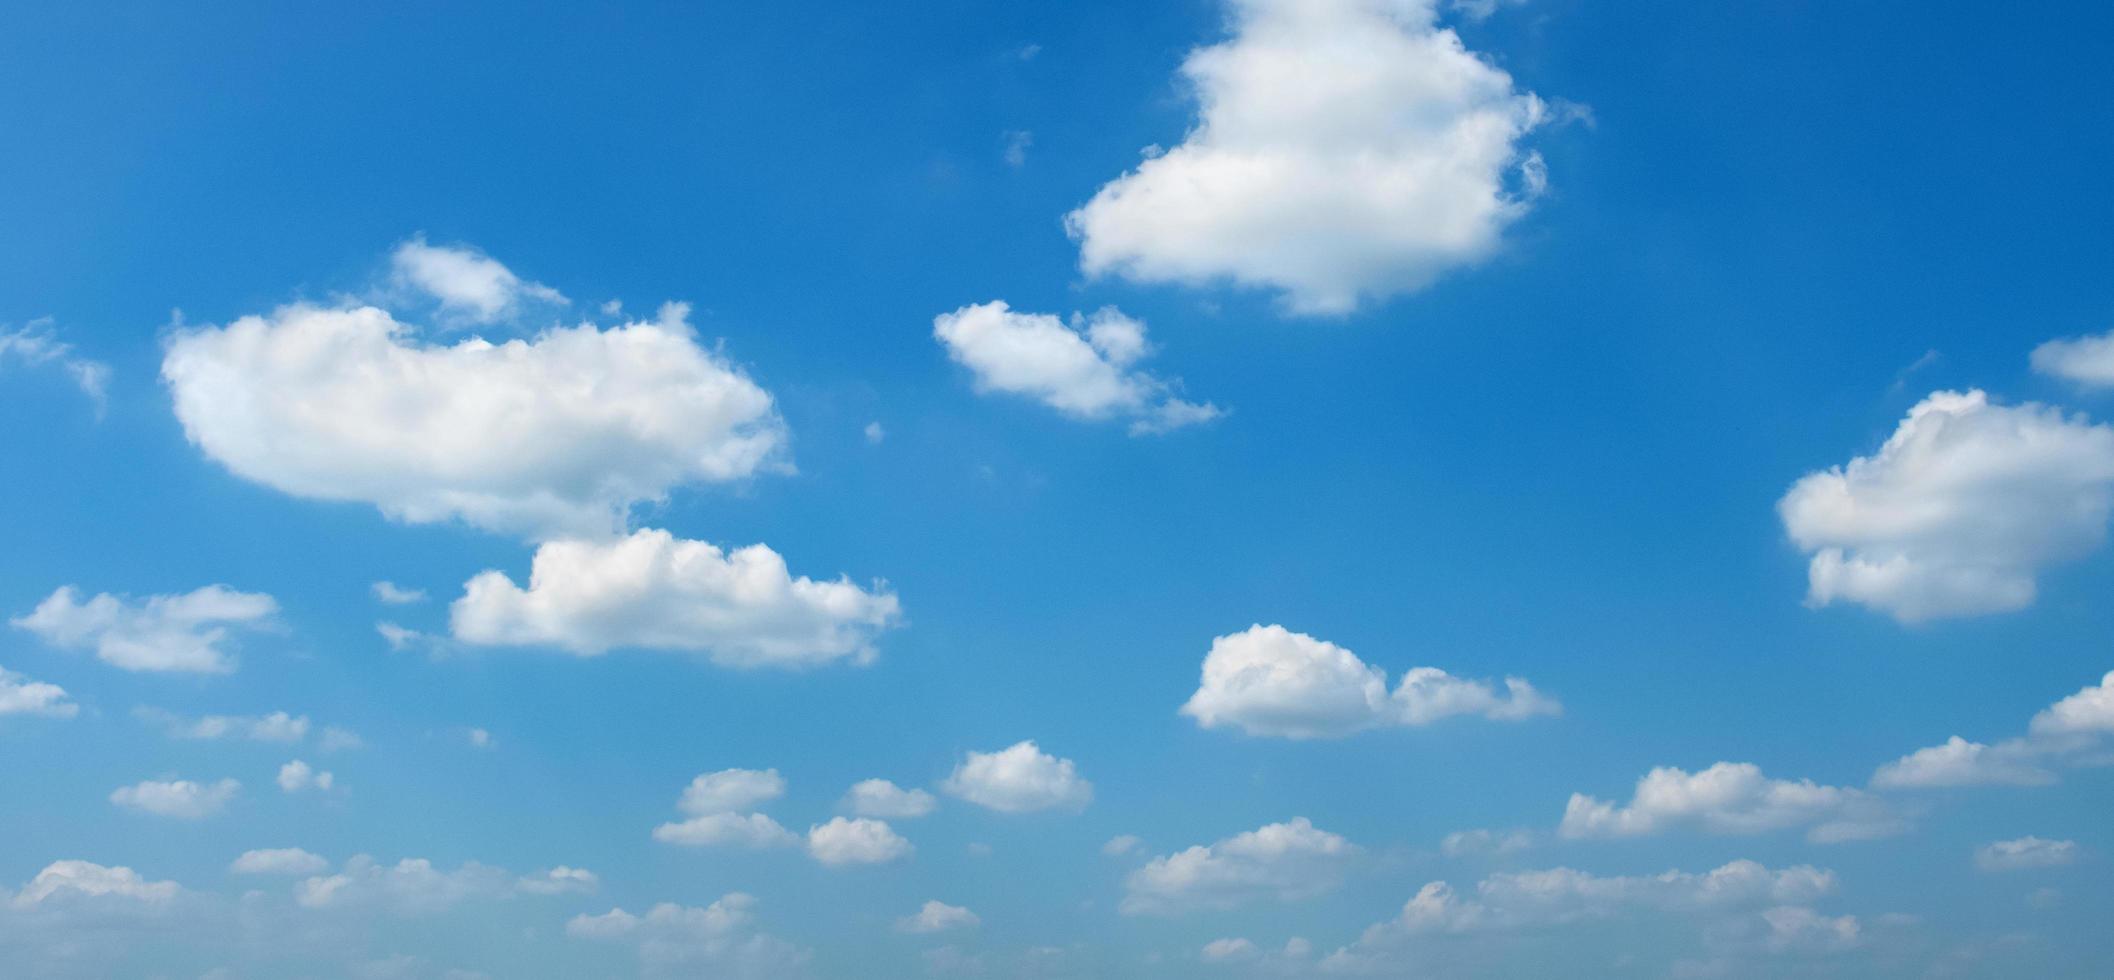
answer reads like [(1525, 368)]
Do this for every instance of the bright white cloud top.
[(937, 916), (300, 777), (467, 283), (1958, 512), (1020, 779), (714, 803), (1287, 862), (2089, 711), (730, 789), (652, 590), (1732, 798), (182, 799), (560, 433), (72, 878), (1344, 151), (2086, 361), (1960, 762), (1085, 369), (884, 799), (1268, 680), (856, 840), (188, 633), (21, 696), (278, 861)]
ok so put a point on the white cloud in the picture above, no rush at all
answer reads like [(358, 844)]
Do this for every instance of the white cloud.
[(298, 776), (2087, 361), (1234, 950), (719, 940), (1123, 844), (1466, 843), (467, 283), (740, 608), (1344, 150), (875, 434), (21, 696), (1960, 762), (881, 798), (277, 726), (397, 595), (1267, 680), (1800, 929), (1019, 779), (411, 886), (1285, 861), (278, 861), (35, 344), (937, 916), (1085, 370), (558, 434), (179, 798), (1958, 512), (335, 739), (2089, 711), (729, 790), (858, 840), (187, 633), (750, 830), (65, 879), (558, 881), (2027, 853), (1732, 798)]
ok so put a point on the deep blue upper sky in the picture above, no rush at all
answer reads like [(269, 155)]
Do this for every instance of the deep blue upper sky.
[(1768, 232)]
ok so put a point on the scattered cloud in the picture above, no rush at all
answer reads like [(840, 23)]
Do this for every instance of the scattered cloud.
[(2026, 853), (881, 798), (730, 789), (74, 879), (751, 830), (938, 916), (35, 344), (875, 434), (2089, 711), (1480, 842), (21, 696), (1342, 152), (1960, 762), (1959, 510), (414, 886), (298, 777), (651, 590), (1282, 861), (2086, 361), (177, 633), (558, 434), (397, 595), (469, 285), (1085, 369), (277, 726), (718, 940), (182, 799), (1017, 142), (856, 840), (278, 861), (1019, 779), (1732, 798), (1267, 680), (1123, 844)]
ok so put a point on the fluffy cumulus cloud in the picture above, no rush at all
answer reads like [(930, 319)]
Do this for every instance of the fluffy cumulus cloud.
[(1344, 150), (2087, 361), (884, 799), (299, 777), (937, 916), (183, 799), (415, 886), (560, 433), (278, 861), (714, 803), (188, 633), (466, 283), (856, 840), (1019, 779), (652, 590), (21, 696), (1958, 512), (2088, 712), (1086, 369), (718, 940), (1732, 798), (62, 880), (1283, 861), (36, 344), (1268, 680), (2026, 853), (1960, 762), (730, 789)]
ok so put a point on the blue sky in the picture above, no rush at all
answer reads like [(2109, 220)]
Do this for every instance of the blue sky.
[(1276, 487)]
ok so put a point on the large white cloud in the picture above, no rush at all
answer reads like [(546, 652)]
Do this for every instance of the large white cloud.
[(1086, 369), (183, 799), (561, 433), (181, 633), (856, 840), (2087, 361), (1959, 510), (21, 696), (1268, 680), (718, 940), (467, 283), (1019, 779), (1732, 798), (1343, 150), (1285, 861), (740, 608), (64, 879)]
